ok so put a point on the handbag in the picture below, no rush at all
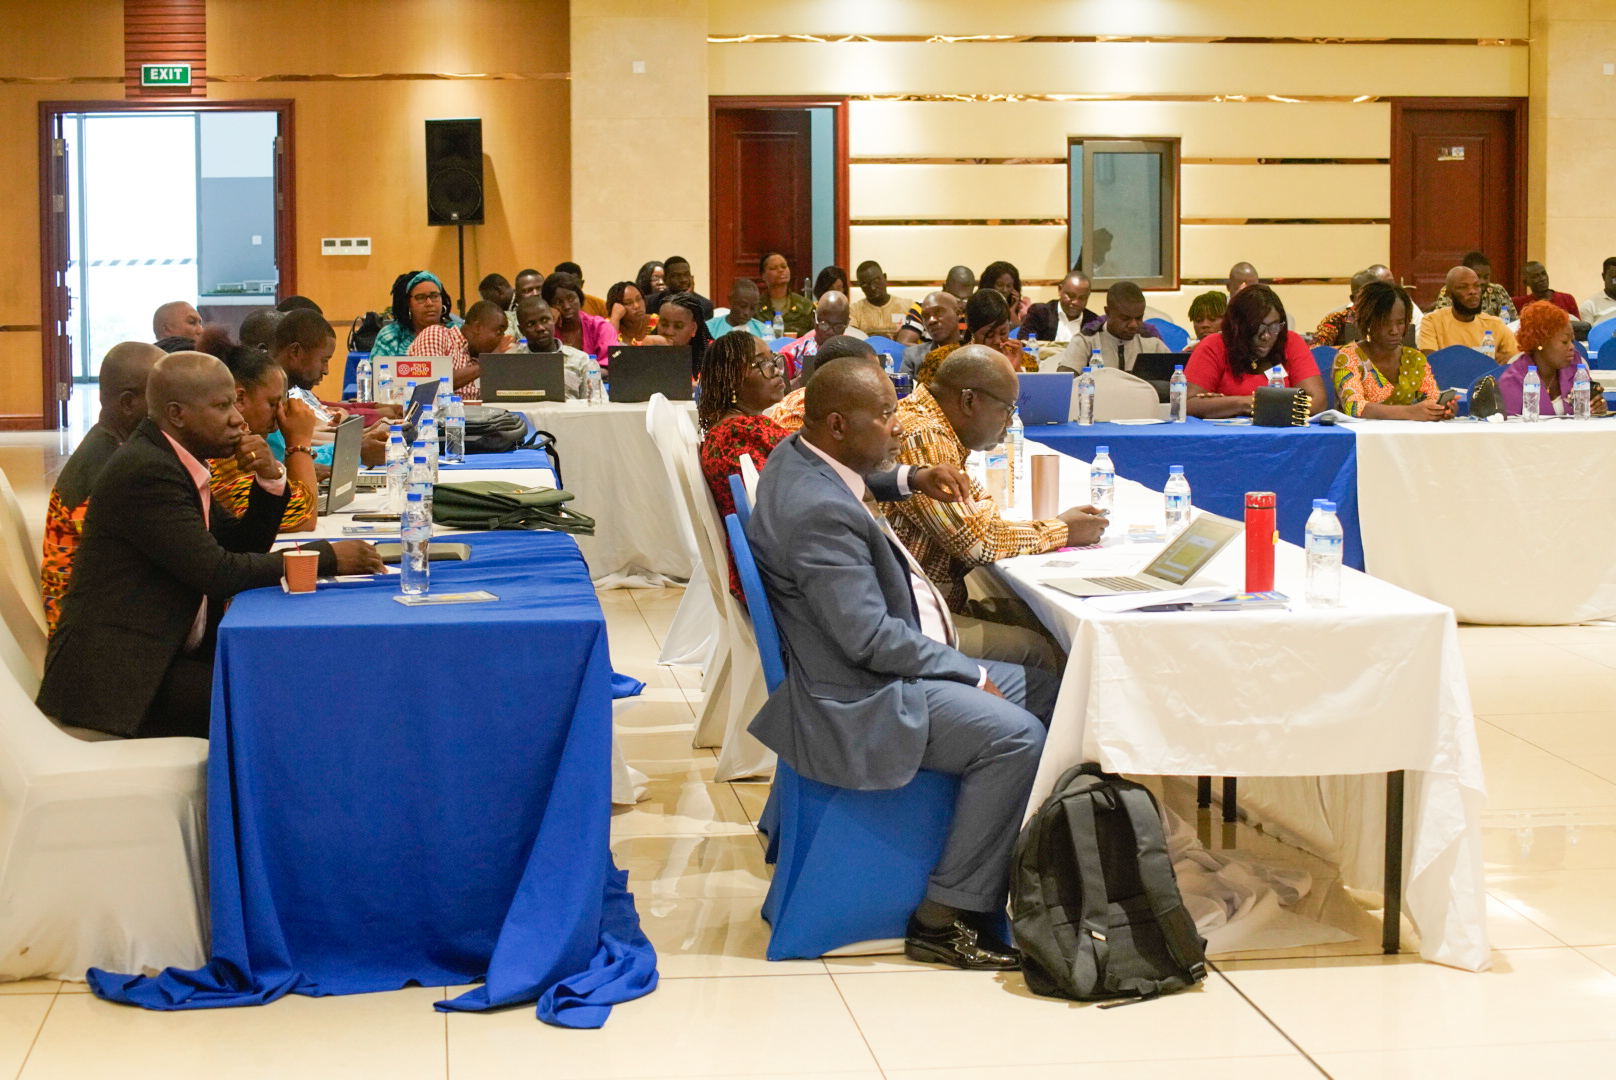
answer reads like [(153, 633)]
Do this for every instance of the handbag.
[(499, 504), (1484, 398), (1281, 406)]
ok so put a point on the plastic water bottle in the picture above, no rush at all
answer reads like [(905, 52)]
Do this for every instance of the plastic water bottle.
[(384, 382), (1581, 391), (409, 393), (441, 401), (398, 470), (1178, 396), (1015, 437), (1531, 389), (421, 477), (1489, 347), (454, 430), (1102, 479), (1324, 543), (1085, 397), (415, 534), (1276, 376), (778, 327), (429, 436), (1177, 492), (997, 469), (594, 389), (1096, 359), (364, 378)]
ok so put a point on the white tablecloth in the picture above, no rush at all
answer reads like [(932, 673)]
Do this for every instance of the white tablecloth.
[(612, 467), (1354, 692), (1504, 523)]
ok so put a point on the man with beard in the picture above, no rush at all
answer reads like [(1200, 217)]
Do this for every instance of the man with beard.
[(1464, 323), (875, 689)]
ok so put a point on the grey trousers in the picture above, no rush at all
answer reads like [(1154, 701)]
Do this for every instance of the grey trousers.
[(992, 744)]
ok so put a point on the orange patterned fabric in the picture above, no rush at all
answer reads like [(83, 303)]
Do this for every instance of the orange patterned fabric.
[(231, 487), (64, 526)]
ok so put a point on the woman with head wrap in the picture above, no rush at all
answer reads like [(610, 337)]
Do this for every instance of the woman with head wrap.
[(419, 301)]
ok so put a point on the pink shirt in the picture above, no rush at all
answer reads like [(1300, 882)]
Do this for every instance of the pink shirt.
[(598, 336), (1208, 367)]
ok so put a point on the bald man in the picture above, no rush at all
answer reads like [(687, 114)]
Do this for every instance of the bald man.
[(124, 371), (133, 653), (831, 318), (1241, 274), (876, 689), (960, 283), (177, 318), (1463, 322), (940, 316)]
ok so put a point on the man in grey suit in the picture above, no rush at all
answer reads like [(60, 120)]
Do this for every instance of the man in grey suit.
[(875, 689)]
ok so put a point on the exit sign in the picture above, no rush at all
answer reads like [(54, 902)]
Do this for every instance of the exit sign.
[(165, 74)]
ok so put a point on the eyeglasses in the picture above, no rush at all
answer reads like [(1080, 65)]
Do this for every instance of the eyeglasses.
[(1009, 406), (767, 368), (426, 298), (1271, 329)]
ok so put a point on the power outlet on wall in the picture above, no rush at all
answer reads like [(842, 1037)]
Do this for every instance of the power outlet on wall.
[(345, 245)]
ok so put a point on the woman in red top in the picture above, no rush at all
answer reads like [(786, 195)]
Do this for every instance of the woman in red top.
[(740, 378), (1226, 369)]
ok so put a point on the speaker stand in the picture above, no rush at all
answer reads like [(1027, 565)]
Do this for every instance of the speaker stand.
[(460, 295)]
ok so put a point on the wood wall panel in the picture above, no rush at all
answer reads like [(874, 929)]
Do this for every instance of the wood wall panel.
[(1286, 191), (925, 252), (81, 39), (162, 32), (1283, 251)]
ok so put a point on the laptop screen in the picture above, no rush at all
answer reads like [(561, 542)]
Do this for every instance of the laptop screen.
[(1193, 548)]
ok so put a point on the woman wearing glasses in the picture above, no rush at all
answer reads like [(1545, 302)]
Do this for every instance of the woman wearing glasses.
[(1227, 368), (418, 302)]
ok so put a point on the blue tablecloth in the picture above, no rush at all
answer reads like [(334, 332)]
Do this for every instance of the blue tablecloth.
[(512, 459), (1223, 462), (416, 794)]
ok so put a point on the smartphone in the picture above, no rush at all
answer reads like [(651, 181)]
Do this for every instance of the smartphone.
[(1446, 396)]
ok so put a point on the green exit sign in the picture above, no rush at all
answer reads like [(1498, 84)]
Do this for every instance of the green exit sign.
[(165, 74)]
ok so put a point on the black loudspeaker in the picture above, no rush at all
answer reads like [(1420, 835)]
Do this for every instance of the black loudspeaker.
[(454, 172)]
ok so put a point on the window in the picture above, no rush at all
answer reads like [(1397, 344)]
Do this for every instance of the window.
[(1123, 210)]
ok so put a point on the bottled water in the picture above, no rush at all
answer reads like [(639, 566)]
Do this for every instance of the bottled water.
[(1531, 389), (415, 534), (428, 435), (384, 381), (445, 392), (454, 430), (1102, 479), (1085, 396), (1581, 392), (778, 326), (1178, 396), (594, 387), (997, 479), (398, 470), (409, 392), (366, 387), (1015, 438), (1177, 492), (1096, 359), (1324, 543), (1489, 347), (421, 477), (1276, 376)]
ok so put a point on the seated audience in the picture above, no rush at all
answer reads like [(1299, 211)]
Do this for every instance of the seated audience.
[(258, 328), (528, 283), (589, 334), (482, 332), (960, 283), (676, 269), (987, 322), (1118, 337), (967, 406), (1206, 313), (1378, 377), (592, 305), (1495, 299), (1006, 280), (791, 408), (176, 319), (159, 559), (879, 312), (742, 314), (1536, 277), (1547, 341), (1225, 370), (740, 380), (830, 320), (419, 301), (680, 322), (303, 346), (940, 317), (261, 399), (174, 344), (1330, 327), (122, 385), (538, 327), (1602, 305), (496, 290), (627, 304), (793, 308), (1241, 275), (1065, 317), (875, 689), (831, 279), (293, 302), (1462, 321), (650, 281)]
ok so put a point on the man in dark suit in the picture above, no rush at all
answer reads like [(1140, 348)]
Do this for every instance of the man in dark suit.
[(1068, 315), (133, 653), (875, 689)]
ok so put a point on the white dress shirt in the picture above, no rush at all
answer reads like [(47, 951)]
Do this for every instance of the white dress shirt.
[(1598, 307)]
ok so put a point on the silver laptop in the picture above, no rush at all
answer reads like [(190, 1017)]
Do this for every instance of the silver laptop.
[(1178, 562), (338, 491)]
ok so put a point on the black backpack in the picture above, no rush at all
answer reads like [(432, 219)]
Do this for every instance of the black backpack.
[(1094, 904), (362, 334), (492, 430)]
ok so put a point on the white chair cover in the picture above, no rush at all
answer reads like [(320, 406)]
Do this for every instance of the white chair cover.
[(21, 609), (628, 783), (1121, 396), (17, 525), (749, 478)]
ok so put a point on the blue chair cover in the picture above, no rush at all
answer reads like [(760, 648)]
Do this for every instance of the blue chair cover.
[(743, 504), (1460, 365), (886, 346), (849, 865), (1175, 336), (350, 376), (1324, 356), (1605, 358), (776, 344), (1601, 333)]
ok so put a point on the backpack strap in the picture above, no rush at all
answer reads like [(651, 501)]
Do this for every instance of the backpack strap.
[(1161, 887), (1093, 948)]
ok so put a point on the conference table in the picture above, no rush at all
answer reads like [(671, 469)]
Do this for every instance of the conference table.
[(421, 794), (1505, 523), (1316, 706)]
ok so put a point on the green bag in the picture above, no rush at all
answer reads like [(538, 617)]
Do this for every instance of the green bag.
[(498, 504)]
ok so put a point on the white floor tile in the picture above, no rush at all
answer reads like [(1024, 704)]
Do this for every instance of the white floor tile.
[(1289, 1067), (1526, 693), (1475, 1062), (717, 936), (30, 986), (21, 1016), (672, 808), (1574, 905), (692, 867), (1520, 776)]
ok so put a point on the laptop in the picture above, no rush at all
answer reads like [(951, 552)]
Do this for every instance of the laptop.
[(508, 377), (425, 394), (1045, 397), (1178, 562), (638, 371), (338, 490), (1157, 367), (422, 369)]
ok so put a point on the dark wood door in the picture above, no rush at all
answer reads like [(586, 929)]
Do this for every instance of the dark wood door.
[(57, 381), (1458, 185), (762, 197)]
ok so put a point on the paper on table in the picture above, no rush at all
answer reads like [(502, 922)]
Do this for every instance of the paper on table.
[(1134, 600), (1141, 420)]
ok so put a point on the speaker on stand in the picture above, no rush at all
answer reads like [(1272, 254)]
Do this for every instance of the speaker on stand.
[(454, 182)]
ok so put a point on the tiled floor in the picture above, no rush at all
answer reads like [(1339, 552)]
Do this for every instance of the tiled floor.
[(1548, 1007)]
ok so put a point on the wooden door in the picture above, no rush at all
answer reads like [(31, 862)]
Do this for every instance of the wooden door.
[(56, 251), (1458, 185), (762, 195)]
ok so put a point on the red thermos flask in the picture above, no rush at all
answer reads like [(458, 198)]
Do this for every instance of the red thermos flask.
[(1261, 537)]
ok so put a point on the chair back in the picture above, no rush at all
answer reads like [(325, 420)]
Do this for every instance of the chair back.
[(776, 344), (1324, 357), (1175, 336), (22, 611), (743, 498), (1601, 333), (1119, 395), (891, 351), (1460, 365), (18, 524), (749, 474), (757, 603), (1605, 358)]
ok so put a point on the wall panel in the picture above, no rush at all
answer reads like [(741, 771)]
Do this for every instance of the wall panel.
[(925, 252), (1286, 191), (1283, 251)]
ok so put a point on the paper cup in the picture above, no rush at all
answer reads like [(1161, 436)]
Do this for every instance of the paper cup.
[(301, 568), (1045, 486)]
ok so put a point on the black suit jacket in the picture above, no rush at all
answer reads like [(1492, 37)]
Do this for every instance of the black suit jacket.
[(1043, 319), (139, 575)]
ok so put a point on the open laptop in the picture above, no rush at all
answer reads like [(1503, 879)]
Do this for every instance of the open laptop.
[(1178, 562), (1045, 397), (508, 377), (425, 394), (638, 371), (422, 369), (338, 490), (1157, 367)]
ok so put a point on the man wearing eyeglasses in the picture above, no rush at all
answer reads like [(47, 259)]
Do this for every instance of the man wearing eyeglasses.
[(967, 406), (831, 316), (1119, 337)]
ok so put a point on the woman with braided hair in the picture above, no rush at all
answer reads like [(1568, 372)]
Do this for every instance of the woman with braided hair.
[(740, 378), (680, 321)]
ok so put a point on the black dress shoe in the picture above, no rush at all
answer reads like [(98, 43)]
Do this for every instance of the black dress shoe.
[(959, 944)]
